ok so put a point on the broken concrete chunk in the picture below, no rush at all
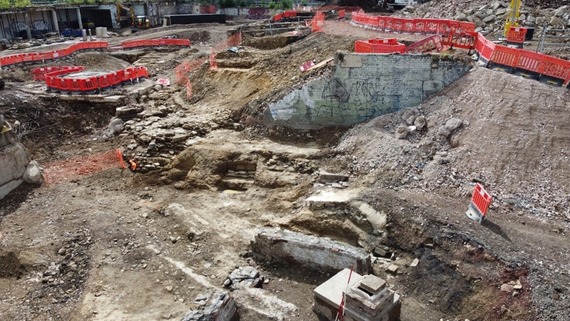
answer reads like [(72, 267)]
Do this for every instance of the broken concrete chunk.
[(392, 268), (327, 178), (415, 262)]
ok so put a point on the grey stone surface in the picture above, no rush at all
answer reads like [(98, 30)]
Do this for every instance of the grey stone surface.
[(13, 161), (362, 87), (319, 253), (213, 306)]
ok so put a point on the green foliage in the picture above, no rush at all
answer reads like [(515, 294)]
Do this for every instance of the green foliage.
[(304, 3), (286, 4), (4, 4), (272, 5), (242, 3), (22, 3)]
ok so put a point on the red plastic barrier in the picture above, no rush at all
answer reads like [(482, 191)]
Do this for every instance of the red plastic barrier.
[(484, 47), (342, 14), (460, 40), (516, 34), (40, 73), (289, 14), (481, 199), (382, 46), (277, 17), (54, 80), (460, 34), (427, 44)]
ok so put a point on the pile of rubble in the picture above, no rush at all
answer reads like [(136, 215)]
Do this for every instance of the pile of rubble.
[(455, 148), (490, 17)]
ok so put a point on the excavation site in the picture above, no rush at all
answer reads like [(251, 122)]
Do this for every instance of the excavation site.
[(400, 160)]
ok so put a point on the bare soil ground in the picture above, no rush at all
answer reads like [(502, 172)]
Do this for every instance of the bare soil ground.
[(124, 246)]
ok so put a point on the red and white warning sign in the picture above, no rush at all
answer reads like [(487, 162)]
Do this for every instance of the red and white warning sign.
[(479, 205)]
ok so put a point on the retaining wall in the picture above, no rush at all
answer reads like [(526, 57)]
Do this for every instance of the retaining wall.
[(362, 87)]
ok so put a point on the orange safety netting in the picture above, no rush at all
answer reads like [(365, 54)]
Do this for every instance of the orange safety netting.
[(189, 66), (73, 168)]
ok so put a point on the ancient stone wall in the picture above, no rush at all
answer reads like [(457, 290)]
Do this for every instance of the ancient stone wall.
[(364, 86)]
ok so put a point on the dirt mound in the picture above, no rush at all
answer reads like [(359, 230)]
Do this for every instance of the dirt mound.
[(504, 130), (99, 61), (9, 265)]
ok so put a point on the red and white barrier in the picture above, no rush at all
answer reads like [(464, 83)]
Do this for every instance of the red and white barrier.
[(479, 205)]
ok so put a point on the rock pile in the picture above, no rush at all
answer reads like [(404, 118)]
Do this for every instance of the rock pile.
[(490, 17), (162, 130), (246, 276), (215, 305)]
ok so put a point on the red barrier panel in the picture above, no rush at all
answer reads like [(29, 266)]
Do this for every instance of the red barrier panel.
[(460, 40), (427, 44), (289, 14), (90, 84), (516, 34), (382, 46), (481, 199)]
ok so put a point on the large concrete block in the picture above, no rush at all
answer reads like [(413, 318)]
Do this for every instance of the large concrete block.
[(367, 298), (314, 252), (13, 161)]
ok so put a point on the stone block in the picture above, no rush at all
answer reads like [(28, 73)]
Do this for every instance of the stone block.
[(276, 245), (367, 298)]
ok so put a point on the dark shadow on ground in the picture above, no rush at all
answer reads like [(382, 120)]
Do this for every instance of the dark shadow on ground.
[(11, 202), (496, 229)]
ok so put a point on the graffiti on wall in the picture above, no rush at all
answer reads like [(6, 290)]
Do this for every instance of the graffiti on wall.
[(362, 100), (40, 25), (258, 13)]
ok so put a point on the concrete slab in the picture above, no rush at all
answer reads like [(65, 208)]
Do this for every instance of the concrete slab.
[(372, 284), (332, 290)]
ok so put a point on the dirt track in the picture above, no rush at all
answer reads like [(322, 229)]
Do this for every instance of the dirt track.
[(112, 246)]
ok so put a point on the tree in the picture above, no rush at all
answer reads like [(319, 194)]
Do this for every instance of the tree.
[(287, 4), (4, 4), (22, 3)]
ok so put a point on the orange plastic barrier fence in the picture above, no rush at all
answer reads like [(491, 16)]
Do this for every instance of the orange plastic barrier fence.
[(51, 55), (90, 45), (55, 81), (459, 34), (40, 73), (379, 46), (74, 168), (427, 44)]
